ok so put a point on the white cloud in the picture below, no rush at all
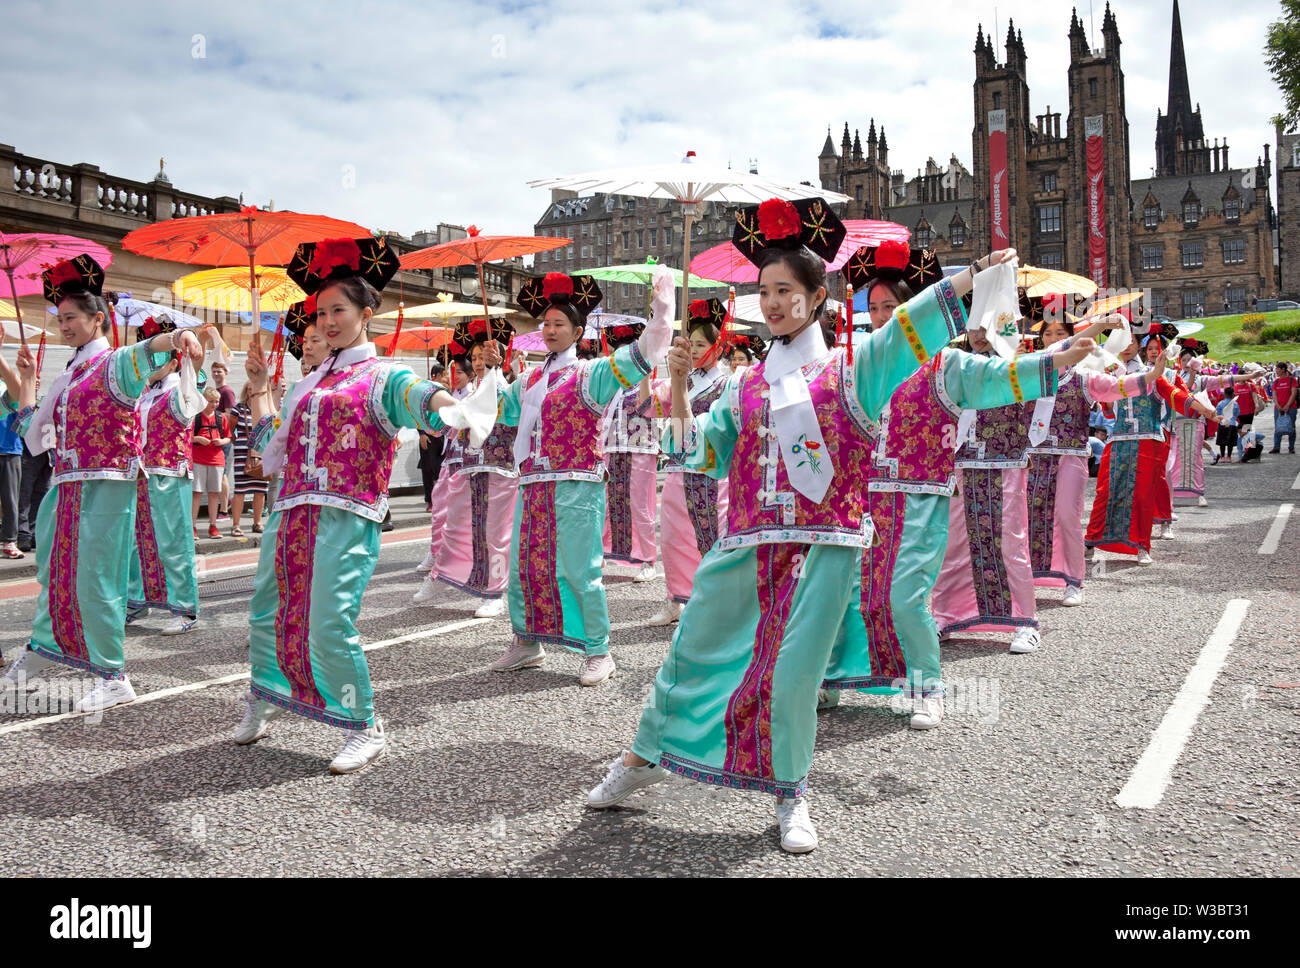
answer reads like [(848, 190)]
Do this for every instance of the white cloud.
[(446, 110)]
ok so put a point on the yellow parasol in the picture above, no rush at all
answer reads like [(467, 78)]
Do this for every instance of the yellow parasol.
[(1111, 303), (229, 289), (1042, 282)]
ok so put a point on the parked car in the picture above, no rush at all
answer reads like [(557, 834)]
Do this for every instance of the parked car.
[(1288, 304)]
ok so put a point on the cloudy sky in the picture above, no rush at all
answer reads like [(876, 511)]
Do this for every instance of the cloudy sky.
[(399, 115)]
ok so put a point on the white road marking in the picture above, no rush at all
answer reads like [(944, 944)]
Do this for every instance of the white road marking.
[(1274, 536), (1146, 785), (238, 676), (1295, 485)]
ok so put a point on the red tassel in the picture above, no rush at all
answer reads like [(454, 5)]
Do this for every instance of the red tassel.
[(510, 346), (604, 341), (112, 315), (849, 357), (40, 359), (401, 315)]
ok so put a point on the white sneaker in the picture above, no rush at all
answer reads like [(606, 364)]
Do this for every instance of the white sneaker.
[(1026, 640), (1073, 595), (827, 699), (667, 615), (25, 669), (520, 656), (1145, 558), (491, 608), (430, 591), (363, 746), (596, 669), (797, 833), (257, 717), (622, 781), (927, 711), (647, 573), (427, 564), (1172, 516), (107, 693), (1165, 532), (1201, 502), (180, 624)]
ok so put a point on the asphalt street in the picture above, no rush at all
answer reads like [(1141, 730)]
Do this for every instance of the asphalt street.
[(486, 773)]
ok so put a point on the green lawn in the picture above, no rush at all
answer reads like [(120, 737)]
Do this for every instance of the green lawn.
[(1219, 328)]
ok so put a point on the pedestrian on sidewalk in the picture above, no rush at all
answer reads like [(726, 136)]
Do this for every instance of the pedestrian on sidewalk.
[(11, 475), (1285, 393), (211, 434), (246, 484)]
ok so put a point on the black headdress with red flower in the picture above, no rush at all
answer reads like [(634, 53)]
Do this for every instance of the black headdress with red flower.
[(82, 274), (701, 312), (621, 334), (754, 345), (555, 288), (1053, 307), (315, 262), (778, 224), (1195, 347), (892, 261), (153, 325), (296, 320), (473, 331)]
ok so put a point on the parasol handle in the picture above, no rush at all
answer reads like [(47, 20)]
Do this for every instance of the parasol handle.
[(256, 296), (18, 311), (686, 268)]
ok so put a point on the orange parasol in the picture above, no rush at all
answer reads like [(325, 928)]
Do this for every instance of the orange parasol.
[(426, 338), (476, 249), (246, 237)]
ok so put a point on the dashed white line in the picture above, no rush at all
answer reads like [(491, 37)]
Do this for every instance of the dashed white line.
[(238, 676), (1295, 485), (1274, 536), (1146, 785)]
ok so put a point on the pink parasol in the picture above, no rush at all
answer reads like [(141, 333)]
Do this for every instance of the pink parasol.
[(726, 263), (25, 255)]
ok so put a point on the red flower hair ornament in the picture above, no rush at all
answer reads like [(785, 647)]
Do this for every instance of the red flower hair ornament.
[(778, 219), (556, 284)]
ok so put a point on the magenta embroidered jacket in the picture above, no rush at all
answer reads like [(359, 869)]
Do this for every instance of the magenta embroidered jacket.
[(165, 445), (918, 431), (341, 444), (98, 434)]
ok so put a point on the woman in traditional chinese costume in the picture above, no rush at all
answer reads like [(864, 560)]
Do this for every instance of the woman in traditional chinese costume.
[(557, 596), (474, 554), (632, 461), (734, 703), (889, 639), (164, 573), (333, 444), (693, 512), (84, 526)]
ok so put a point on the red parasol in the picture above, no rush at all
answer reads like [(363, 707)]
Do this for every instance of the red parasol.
[(247, 237), (476, 249), (427, 338)]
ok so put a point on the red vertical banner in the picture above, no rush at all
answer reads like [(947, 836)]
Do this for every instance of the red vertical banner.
[(1095, 151), (999, 199)]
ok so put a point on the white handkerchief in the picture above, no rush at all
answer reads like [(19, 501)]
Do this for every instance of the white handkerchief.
[(1042, 419), (964, 425), (995, 308), (807, 464)]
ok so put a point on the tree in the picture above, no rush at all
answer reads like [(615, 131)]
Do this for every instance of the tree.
[(1283, 50)]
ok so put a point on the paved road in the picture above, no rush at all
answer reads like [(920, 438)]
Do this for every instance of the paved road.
[(486, 772)]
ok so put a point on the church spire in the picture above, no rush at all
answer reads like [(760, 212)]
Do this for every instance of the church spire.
[(1180, 97)]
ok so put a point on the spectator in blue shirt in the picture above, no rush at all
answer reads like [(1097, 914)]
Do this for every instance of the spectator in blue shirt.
[(11, 477)]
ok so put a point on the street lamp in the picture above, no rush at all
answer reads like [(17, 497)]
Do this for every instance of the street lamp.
[(468, 280)]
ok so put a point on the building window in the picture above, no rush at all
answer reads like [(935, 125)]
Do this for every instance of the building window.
[(640, 239), (1235, 297), (1193, 255), (1157, 304), (1191, 213), (924, 237), (958, 233), (654, 235), (1234, 251), (668, 238), (584, 228), (1049, 219), (1153, 257), (1049, 183), (1151, 216), (997, 100), (627, 240), (858, 193), (543, 255), (586, 252), (1232, 209), (1193, 302), (1051, 260), (1092, 87)]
